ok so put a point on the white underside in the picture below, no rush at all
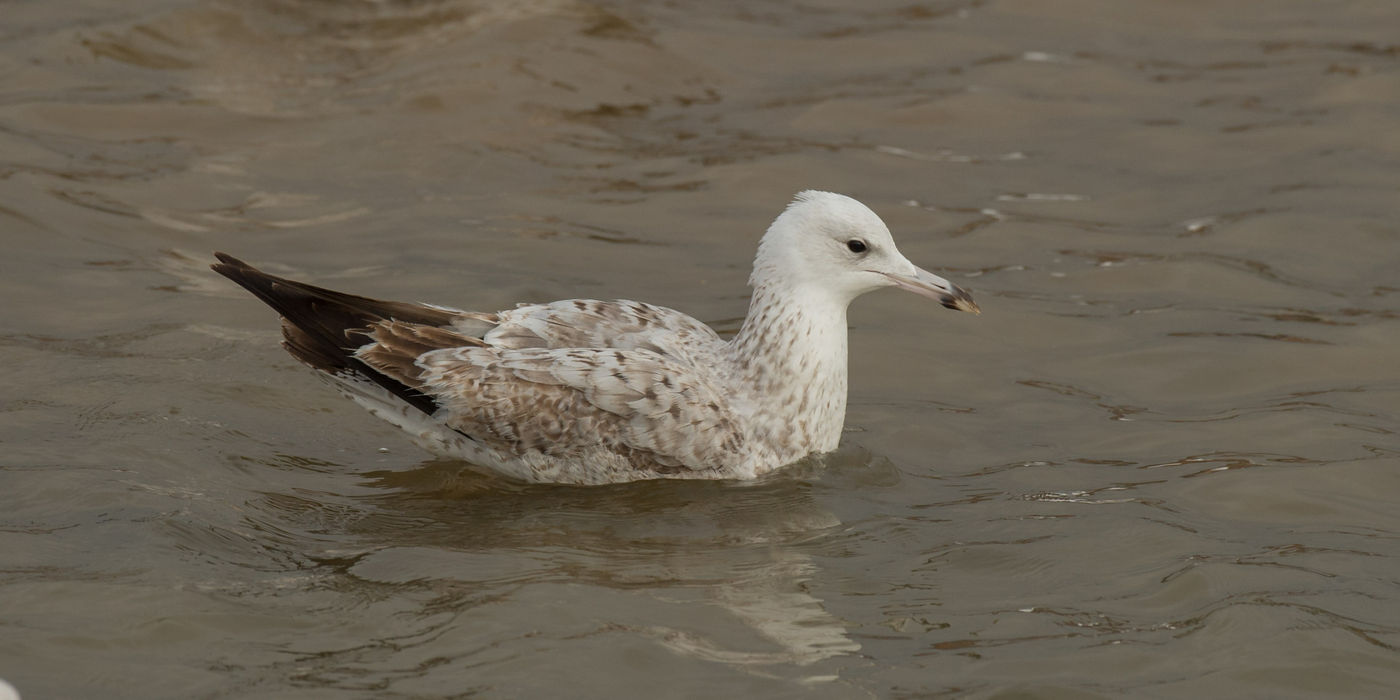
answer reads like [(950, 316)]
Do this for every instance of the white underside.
[(593, 466)]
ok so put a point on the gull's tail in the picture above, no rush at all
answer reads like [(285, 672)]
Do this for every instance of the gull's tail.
[(324, 328)]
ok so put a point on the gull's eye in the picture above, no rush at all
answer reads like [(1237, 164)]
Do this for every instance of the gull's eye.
[(856, 245)]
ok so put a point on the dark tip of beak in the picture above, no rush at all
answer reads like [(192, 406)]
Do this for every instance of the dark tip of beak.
[(959, 300)]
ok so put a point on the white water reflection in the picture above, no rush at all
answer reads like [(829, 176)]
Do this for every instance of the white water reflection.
[(716, 573)]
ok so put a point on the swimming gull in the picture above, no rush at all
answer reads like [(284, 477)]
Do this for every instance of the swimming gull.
[(593, 392)]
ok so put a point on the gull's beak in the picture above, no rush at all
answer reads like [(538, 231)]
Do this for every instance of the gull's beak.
[(927, 284)]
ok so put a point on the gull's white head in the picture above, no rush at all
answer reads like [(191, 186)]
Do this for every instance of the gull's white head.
[(830, 244)]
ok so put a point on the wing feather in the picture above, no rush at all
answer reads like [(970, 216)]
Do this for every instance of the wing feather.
[(655, 412)]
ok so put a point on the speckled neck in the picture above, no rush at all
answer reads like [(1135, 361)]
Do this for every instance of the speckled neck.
[(791, 356)]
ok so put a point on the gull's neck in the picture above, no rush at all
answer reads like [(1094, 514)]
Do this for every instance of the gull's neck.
[(791, 357)]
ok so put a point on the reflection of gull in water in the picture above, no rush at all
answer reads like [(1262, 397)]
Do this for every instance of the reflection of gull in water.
[(711, 573), (772, 602), (590, 392)]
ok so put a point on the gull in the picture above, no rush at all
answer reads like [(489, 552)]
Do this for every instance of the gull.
[(582, 391)]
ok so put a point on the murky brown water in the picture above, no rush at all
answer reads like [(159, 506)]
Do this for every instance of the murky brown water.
[(1164, 462)]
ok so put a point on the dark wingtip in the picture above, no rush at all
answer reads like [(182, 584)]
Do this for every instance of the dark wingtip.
[(228, 263), (317, 323)]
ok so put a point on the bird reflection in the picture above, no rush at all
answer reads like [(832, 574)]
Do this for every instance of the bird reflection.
[(724, 569)]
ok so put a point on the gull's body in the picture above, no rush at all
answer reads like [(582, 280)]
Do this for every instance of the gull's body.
[(589, 392)]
